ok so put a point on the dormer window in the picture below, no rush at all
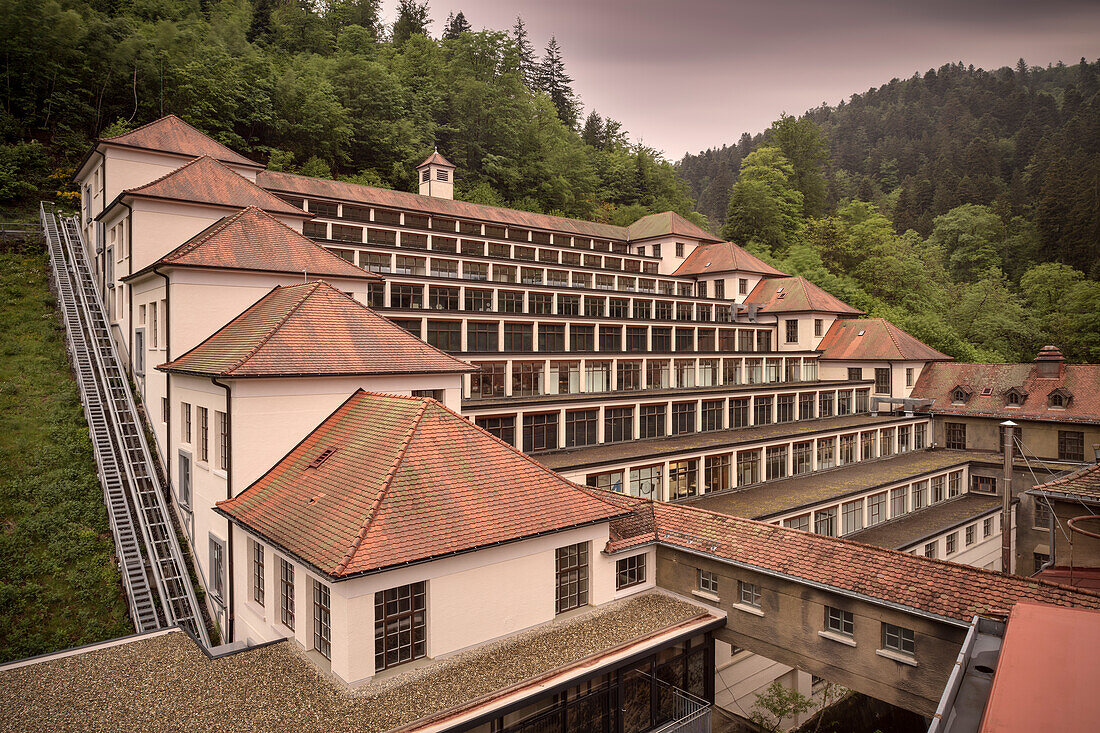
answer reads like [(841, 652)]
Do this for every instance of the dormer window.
[(1015, 397), (960, 394), (1059, 399)]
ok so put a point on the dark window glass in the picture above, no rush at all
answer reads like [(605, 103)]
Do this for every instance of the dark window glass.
[(540, 432), (400, 632), (580, 427)]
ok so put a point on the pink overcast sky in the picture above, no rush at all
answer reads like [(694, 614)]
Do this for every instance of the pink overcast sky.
[(685, 75)]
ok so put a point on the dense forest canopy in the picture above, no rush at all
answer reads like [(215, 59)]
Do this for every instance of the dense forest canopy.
[(324, 88), (962, 204)]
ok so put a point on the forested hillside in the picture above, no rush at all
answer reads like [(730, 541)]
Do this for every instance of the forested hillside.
[(962, 204), (323, 88)]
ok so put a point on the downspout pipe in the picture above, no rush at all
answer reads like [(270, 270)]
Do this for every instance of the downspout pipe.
[(129, 244), (228, 495), (167, 377)]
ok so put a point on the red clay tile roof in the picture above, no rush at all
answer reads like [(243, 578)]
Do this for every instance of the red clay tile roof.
[(946, 589), (667, 224), (1083, 483), (172, 135), (291, 183), (312, 329), (252, 239), (436, 159), (408, 481), (796, 295), (724, 257), (871, 339), (1081, 380), (206, 181)]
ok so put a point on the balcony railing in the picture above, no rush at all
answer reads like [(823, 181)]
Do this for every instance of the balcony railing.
[(689, 714)]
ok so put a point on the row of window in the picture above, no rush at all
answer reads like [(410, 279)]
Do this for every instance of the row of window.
[(836, 620), (852, 516), (419, 296), (322, 607), (747, 467), (390, 217), (951, 540), (527, 379), (581, 427), (518, 336), (197, 434), (1014, 397)]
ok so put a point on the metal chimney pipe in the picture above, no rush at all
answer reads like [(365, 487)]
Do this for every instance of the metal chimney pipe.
[(1006, 506)]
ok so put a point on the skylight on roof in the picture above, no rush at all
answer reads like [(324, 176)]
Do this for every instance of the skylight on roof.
[(322, 457), (861, 332), (986, 391)]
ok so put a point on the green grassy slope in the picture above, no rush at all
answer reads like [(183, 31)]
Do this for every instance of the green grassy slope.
[(59, 585)]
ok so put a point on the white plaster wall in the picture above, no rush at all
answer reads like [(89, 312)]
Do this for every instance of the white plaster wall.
[(271, 416), (830, 369)]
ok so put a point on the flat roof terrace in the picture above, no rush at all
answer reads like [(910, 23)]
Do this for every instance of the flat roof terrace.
[(912, 528), (609, 453), (778, 497), (158, 682)]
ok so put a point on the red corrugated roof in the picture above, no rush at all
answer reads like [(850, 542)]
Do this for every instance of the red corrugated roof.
[(252, 239), (873, 339), (172, 135), (1082, 381), (312, 329), (796, 294), (207, 181), (1046, 672), (408, 480), (291, 183), (943, 588), (724, 257)]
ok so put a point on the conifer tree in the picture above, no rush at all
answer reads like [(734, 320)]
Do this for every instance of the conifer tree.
[(527, 64), (553, 81), (412, 19), (456, 26)]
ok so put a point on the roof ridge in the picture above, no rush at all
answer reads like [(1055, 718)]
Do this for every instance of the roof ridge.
[(961, 567), (204, 236), (364, 526), (174, 116), (893, 337), (526, 457), (277, 325), (174, 171), (142, 127)]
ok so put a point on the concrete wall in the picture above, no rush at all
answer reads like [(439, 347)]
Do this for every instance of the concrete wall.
[(1040, 439), (787, 629)]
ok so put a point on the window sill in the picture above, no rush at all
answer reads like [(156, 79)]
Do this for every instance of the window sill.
[(220, 473), (748, 609), (837, 637), (706, 595), (897, 656)]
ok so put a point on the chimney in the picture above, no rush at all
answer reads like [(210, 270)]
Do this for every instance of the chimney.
[(436, 176), (1049, 363)]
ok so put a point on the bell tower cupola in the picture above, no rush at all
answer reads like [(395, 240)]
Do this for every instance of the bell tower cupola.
[(437, 177)]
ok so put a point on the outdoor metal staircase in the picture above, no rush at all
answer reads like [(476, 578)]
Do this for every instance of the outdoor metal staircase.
[(152, 564)]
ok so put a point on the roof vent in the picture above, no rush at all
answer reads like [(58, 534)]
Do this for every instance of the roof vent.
[(780, 296), (986, 391), (322, 457), (861, 332), (779, 289)]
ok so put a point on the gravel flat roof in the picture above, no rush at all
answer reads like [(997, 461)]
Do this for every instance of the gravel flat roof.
[(785, 495), (906, 530), (166, 683), (651, 447)]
